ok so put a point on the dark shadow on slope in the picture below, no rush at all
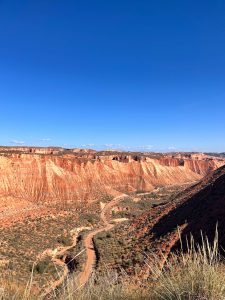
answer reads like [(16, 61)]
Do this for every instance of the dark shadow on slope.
[(201, 212)]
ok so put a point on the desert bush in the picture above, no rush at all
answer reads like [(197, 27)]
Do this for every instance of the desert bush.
[(91, 218), (42, 265), (65, 240)]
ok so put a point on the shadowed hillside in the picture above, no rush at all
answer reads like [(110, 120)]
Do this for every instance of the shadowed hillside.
[(199, 208)]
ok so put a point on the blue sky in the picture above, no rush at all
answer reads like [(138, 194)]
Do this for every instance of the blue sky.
[(113, 74)]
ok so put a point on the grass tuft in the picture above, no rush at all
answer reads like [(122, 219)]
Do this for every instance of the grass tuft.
[(196, 274)]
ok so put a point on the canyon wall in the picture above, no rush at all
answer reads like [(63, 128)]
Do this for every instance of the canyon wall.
[(57, 178), (201, 166)]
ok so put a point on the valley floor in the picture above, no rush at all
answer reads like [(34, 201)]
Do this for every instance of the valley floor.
[(36, 244)]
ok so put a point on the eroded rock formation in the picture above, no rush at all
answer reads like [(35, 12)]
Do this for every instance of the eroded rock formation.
[(57, 175)]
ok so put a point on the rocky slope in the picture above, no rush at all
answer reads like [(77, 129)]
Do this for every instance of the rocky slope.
[(56, 174), (197, 211)]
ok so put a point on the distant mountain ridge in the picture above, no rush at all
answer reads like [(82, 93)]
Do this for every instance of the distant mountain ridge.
[(222, 154)]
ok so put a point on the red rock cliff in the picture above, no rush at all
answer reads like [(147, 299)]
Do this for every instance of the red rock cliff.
[(72, 178)]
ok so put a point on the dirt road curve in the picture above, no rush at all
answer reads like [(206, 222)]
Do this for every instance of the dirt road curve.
[(59, 262), (88, 241)]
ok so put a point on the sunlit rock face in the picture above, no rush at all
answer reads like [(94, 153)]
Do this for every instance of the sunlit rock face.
[(60, 175), (198, 163)]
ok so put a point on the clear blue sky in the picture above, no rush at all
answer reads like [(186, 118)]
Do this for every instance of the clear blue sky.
[(139, 74)]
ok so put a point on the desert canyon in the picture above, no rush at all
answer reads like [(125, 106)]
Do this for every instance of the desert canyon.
[(141, 198), (41, 175)]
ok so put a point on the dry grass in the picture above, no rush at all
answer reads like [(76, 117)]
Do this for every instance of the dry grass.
[(10, 289), (198, 273), (108, 287)]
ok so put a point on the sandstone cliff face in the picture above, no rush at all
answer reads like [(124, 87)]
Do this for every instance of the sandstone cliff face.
[(201, 165), (58, 178)]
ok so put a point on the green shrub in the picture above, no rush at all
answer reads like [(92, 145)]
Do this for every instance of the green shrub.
[(65, 240), (42, 265)]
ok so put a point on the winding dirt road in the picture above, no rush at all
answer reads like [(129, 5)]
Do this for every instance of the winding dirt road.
[(57, 260), (88, 247), (84, 276), (88, 240)]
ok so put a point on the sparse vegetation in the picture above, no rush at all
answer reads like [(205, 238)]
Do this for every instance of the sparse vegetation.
[(89, 218), (64, 240), (23, 243), (198, 273), (42, 265)]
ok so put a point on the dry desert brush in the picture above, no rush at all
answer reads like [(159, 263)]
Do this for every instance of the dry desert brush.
[(195, 274)]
